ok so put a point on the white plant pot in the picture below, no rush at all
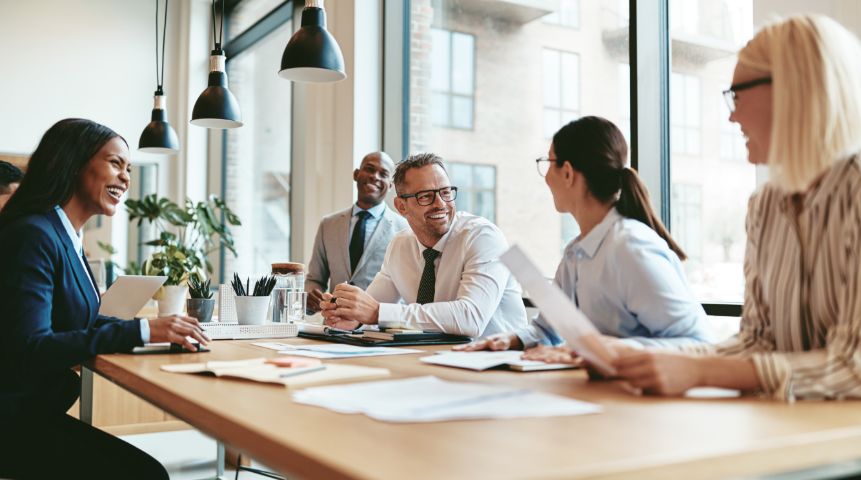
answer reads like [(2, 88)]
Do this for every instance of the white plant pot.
[(251, 310), (171, 299)]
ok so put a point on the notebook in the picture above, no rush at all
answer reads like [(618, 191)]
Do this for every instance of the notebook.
[(359, 339), (479, 361)]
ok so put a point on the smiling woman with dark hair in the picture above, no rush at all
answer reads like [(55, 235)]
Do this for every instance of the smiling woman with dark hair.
[(50, 305)]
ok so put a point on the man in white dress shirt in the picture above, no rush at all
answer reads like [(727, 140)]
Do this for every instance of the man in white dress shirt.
[(441, 274)]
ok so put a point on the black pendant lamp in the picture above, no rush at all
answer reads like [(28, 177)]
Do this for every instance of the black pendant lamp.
[(312, 54), (216, 107), (159, 136)]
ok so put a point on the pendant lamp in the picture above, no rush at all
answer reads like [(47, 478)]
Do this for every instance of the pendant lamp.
[(216, 107), (158, 136), (312, 54)]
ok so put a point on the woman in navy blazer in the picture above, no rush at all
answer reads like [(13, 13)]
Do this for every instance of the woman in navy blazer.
[(49, 305)]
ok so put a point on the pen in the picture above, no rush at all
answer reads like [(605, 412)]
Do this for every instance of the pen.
[(332, 300), (300, 371)]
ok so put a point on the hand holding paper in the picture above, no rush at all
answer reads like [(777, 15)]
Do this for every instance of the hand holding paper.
[(560, 312)]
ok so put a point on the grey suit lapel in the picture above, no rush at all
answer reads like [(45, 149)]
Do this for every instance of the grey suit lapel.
[(383, 230), (343, 236)]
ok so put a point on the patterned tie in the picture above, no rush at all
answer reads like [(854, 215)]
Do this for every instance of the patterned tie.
[(357, 241), (427, 285)]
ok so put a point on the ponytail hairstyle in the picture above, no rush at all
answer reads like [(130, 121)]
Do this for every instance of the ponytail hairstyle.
[(596, 148), (55, 167)]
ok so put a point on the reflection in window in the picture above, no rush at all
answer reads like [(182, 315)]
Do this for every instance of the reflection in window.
[(561, 76), (257, 170), (476, 188), (452, 82), (568, 14), (685, 114)]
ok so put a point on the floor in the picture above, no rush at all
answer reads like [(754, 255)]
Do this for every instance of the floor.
[(186, 454)]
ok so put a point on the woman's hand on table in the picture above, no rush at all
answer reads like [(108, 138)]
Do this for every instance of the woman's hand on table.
[(176, 329)]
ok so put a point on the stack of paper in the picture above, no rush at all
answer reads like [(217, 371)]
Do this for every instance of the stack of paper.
[(334, 350), (429, 399)]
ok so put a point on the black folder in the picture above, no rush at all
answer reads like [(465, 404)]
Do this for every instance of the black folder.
[(400, 340)]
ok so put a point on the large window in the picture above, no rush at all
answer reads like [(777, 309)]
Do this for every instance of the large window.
[(710, 179), (521, 81), (476, 185), (256, 176), (561, 88), (452, 78)]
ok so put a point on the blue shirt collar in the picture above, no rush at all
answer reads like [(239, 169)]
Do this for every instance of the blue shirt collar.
[(375, 211), (592, 241), (75, 237)]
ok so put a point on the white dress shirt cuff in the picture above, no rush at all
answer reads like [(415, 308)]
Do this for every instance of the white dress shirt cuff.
[(391, 316), (144, 330)]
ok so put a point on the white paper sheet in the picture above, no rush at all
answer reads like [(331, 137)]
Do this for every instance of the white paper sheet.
[(335, 350), (559, 311), (429, 399), (483, 360), (128, 295)]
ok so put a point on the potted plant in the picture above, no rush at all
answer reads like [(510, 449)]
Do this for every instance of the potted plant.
[(187, 235), (252, 305), (201, 303)]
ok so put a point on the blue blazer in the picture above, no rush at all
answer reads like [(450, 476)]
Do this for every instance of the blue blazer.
[(49, 319)]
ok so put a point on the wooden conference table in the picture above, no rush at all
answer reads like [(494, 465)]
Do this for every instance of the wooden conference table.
[(639, 437)]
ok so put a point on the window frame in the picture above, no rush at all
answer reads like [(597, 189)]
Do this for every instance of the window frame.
[(450, 94), (560, 109)]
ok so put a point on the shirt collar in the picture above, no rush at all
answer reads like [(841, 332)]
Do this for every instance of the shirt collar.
[(592, 241), (376, 211), (75, 237)]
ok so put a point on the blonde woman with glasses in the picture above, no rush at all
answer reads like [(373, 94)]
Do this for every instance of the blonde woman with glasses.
[(796, 94)]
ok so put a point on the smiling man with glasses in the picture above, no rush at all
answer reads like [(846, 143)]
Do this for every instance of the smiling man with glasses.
[(442, 274)]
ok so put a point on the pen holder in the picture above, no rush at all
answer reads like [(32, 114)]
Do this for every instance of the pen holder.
[(251, 310)]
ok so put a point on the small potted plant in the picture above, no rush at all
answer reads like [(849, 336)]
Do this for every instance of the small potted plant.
[(201, 303), (252, 305), (188, 233)]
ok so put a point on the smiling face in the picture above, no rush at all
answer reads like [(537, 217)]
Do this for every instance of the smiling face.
[(430, 222), (753, 112), (373, 179), (104, 179)]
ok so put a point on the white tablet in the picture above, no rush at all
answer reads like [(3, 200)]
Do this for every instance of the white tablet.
[(129, 294)]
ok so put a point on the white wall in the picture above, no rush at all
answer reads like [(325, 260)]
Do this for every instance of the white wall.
[(96, 59)]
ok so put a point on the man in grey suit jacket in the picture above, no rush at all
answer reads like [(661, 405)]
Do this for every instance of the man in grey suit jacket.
[(350, 244)]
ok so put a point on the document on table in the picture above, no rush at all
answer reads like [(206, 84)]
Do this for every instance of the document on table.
[(560, 312), (429, 399), (483, 360), (334, 350)]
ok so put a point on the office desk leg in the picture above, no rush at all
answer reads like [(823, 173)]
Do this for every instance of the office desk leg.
[(219, 459), (86, 406)]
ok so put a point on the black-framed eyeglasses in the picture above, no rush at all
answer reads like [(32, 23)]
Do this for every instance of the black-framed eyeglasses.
[(730, 94), (427, 197), (543, 165)]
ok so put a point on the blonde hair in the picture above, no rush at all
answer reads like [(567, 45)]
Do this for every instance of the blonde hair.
[(815, 65)]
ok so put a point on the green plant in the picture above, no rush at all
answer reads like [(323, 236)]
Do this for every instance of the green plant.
[(198, 289), (187, 234)]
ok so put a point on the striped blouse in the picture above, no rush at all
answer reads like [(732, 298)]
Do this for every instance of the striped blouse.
[(801, 323)]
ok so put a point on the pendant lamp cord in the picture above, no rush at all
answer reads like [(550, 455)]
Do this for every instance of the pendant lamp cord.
[(217, 42), (159, 77)]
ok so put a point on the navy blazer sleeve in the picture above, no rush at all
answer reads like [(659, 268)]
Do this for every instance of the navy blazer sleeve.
[(48, 325)]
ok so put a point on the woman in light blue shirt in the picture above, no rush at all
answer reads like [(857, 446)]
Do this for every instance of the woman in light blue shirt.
[(624, 270)]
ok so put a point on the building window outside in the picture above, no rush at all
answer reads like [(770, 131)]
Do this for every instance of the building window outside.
[(256, 174), (476, 188), (452, 78), (568, 14), (685, 114), (561, 76)]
